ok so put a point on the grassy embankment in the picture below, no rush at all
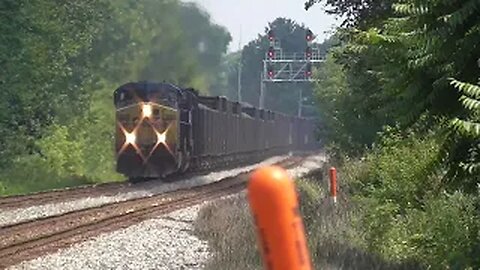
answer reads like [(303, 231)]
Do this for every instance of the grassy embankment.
[(396, 207), (334, 240)]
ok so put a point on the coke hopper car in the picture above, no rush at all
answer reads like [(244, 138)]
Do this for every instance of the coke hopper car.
[(163, 129)]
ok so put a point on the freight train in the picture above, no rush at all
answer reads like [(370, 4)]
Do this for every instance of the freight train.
[(163, 129)]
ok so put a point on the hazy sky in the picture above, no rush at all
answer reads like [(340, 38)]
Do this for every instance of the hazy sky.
[(245, 19)]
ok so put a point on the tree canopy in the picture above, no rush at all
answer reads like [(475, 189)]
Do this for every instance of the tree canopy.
[(401, 94), (61, 62)]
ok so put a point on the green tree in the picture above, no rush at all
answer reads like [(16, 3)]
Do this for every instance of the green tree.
[(60, 65), (227, 81), (418, 189), (207, 41), (357, 13), (463, 148), (41, 79), (401, 65)]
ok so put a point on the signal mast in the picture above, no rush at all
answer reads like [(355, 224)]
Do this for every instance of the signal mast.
[(279, 67)]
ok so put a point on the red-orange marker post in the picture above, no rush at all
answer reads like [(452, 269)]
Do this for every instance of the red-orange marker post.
[(333, 184), (273, 201)]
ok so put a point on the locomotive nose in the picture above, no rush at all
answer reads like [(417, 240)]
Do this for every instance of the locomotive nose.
[(153, 131), (141, 129), (147, 133)]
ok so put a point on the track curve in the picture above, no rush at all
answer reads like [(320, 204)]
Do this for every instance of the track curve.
[(31, 239)]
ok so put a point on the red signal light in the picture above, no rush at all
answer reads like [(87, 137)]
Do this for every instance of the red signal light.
[(271, 53), (270, 72), (309, 35), (308, 71), (308, 53), (271, 36)]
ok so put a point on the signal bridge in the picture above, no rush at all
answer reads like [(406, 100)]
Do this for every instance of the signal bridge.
[(290, 67), (280, 67)]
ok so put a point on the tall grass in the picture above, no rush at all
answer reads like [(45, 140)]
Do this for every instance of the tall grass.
[(332, 239), (228, 227)]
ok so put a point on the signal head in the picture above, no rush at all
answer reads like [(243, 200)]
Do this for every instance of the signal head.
[(308, 53), (271, 52), (309, 35), (308, 71), (270, 72), (271, 36)]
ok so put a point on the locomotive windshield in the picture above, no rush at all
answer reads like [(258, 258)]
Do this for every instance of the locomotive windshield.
[(134, 93)]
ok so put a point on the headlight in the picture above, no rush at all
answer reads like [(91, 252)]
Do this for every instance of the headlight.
[(147, 110), (130, 138), (161, 137)]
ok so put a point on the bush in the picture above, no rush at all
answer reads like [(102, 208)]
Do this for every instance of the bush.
[(227, 226), (32, 174), (445, 234), (80, 153), (333, 240), (405, 212)]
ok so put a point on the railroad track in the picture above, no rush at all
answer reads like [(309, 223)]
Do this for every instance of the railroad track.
[(58, 195), (31, 239), (69, 194)]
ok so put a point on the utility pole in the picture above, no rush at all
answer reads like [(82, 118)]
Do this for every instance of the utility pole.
[(239, 86), (261, 103), (300, 101)]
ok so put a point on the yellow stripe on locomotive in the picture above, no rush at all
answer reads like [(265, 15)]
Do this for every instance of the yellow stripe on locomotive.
[(145, 126), (146, 139)]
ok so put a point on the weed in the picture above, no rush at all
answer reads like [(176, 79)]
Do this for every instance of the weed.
[(227, 225)]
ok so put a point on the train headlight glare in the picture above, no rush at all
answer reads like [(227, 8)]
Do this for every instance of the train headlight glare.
[(161, 137), (147, 110), (130, 138)]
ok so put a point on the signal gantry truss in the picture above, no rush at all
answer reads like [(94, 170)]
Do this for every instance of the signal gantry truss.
[(290, 67), (280, 67)]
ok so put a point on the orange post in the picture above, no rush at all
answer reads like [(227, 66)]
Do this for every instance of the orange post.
[(274, 204), (333, 184)]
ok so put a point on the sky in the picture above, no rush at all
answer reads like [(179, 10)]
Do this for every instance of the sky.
[(245, 19)]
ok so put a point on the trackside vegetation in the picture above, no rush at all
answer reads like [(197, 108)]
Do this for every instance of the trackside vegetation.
[(400, 101), (333, 241), (398, 97), (61, 62)]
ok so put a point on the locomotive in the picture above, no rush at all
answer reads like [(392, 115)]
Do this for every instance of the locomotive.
[(163, 129)]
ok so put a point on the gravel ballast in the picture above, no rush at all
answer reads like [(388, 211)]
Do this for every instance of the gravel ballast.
[(161, 243), (166, 242), (29, 213)]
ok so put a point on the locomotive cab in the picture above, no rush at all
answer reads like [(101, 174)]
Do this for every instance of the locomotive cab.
[(147, 133)]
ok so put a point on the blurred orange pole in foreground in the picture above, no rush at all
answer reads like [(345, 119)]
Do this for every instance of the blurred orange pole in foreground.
[(333, 184), (274, 204)]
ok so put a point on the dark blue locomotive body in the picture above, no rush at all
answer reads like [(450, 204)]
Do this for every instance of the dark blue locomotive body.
[(163, 129)]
